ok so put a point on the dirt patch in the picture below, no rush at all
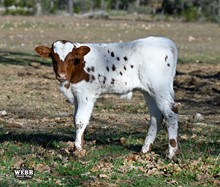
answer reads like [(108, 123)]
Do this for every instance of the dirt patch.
[(197, 88)]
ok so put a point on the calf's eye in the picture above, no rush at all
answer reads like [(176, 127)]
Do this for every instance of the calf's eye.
[(76, 61)]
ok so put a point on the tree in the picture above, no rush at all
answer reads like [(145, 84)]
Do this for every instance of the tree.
[(70, 7), (38, 8), (103, 5), (137, 3)]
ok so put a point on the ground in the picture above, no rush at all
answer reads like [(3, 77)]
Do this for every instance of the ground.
[(36, 120)]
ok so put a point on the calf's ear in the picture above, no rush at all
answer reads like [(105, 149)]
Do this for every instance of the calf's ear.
[(43, 51), (81, 51)]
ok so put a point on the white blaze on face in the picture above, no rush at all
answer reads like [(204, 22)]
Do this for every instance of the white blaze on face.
[(62, 49)]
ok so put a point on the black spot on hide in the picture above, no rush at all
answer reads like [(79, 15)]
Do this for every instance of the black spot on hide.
[(113, 67), (113, 81)]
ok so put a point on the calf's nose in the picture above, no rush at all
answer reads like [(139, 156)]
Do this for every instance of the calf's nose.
[(61, 77)]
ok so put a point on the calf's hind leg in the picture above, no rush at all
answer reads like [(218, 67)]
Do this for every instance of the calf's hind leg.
[(156, 119), (169, 111), (172, 126)]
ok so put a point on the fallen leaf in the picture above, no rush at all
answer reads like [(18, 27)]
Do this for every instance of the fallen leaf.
[(35, 65), (95, 168), (2, 120), (42, 168), (191, 39), (85, 174), (3, 113), (123, 140), (58, 182), (70, 143), (103, 176), (1, 152), (216, 183), (172, 182), (132, 157), (17, 162), (198, 177)]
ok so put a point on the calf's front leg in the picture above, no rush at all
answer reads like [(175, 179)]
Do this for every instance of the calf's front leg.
[(83, 111)]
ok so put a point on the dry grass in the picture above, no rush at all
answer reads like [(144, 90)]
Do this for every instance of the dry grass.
[(196, 41)]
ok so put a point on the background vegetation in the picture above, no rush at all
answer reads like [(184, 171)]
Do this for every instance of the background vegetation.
[(188, 10)]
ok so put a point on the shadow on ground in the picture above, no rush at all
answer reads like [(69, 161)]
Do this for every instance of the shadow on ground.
[(48, 141), (19, 58)]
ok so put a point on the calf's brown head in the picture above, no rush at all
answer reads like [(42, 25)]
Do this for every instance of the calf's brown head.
[(68, 60)]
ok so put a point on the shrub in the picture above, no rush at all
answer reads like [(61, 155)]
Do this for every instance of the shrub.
[(8, 3), (190, 14)]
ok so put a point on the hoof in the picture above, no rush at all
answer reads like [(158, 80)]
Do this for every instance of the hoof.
[(147, 149), (172, 155)]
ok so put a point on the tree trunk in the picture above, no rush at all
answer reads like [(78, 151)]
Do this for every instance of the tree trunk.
[(70, 7), (137, 3), (51, 4), (38, 8), (91, 6), (219, 13), (117, 5), (103, 5)]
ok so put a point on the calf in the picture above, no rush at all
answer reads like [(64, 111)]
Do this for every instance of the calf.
[(86, 71)]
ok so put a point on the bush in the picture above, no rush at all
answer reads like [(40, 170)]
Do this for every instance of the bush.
[(8, 3), (18, 7), (190, 14), (19, 11), (191, 10), (141, 9)]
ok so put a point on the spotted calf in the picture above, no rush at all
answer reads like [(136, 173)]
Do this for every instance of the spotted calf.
[(86, 71)]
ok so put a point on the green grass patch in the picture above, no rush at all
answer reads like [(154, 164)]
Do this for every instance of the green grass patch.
[(113, 163)]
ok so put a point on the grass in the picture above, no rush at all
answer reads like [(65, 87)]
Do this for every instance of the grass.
[(27, 32), (197, 164)]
